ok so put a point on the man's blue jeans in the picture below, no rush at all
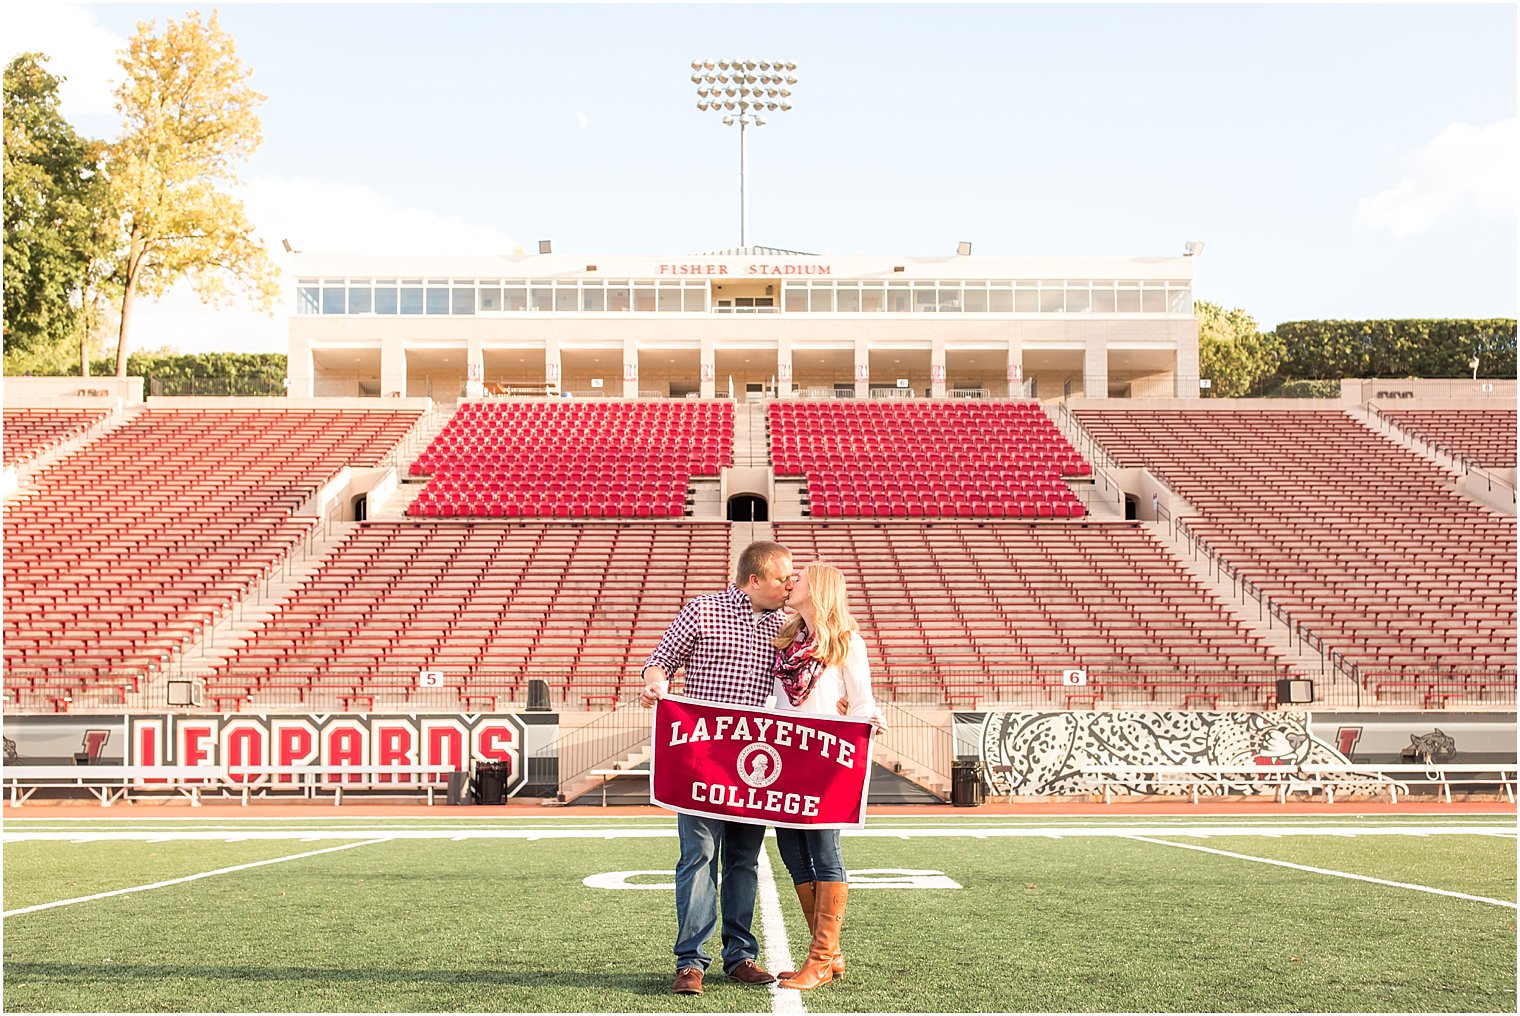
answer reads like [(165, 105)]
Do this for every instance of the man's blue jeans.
[(704, 843)]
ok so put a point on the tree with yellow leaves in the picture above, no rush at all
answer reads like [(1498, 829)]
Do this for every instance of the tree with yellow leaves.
[(189, 118)]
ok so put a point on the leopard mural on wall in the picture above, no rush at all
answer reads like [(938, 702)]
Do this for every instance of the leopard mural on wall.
[(1044, 753)]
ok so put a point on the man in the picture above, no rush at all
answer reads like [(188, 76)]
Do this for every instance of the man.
[(724, 642)]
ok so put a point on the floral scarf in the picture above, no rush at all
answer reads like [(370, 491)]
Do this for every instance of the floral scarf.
[(797, 669)]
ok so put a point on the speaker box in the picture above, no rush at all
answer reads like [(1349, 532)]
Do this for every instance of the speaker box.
[(1291, 691), (538, 695)]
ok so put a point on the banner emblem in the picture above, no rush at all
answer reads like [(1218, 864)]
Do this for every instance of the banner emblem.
[(762, 771)]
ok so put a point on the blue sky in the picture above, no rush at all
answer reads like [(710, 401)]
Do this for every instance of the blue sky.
[(1339, 161)]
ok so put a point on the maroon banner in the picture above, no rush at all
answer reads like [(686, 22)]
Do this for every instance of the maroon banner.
[(763, 766)]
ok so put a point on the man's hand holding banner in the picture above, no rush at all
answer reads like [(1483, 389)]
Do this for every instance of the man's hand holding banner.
[(800, 770)]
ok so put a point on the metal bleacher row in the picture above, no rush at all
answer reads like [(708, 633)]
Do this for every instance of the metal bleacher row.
[(1366, 544), (914, 460), (128, 549), (1484, 436), (29, 433), (961, 612), (578, 460)]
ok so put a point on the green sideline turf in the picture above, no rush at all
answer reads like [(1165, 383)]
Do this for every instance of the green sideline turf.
[(1041, 925)]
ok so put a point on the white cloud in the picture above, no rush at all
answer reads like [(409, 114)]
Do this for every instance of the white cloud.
[(317, 217), (78, 50), (1463, 168), (583, 120)]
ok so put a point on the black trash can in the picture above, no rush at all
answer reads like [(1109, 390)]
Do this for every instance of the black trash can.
[(491, 782), (966, 787), (459, 789)]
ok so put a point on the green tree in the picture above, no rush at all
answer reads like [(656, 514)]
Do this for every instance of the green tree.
[(56, 201), (169, 372), (189, 119), (1430, 348), (1237, 357)]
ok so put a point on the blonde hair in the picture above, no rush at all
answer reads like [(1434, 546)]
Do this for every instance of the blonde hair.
[(831, 614)]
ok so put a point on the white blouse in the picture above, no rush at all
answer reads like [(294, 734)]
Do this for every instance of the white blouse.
[(852, 680)]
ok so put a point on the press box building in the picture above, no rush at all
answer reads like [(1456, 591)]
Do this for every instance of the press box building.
[(757, 321)]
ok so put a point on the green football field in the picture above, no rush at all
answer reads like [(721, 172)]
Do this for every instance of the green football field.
[(1384, 913)]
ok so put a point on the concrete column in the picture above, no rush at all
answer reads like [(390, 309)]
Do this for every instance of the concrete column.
[(1095, 369), (937, 379), (392, 368), (1015, 369), (300, 370), (630, 369), (1187, 367), (784, 368), (552, 373), (862, 368), (709, 368), (474, 368)]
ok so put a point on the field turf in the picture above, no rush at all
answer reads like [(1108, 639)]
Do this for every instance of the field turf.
[(1075, 915)]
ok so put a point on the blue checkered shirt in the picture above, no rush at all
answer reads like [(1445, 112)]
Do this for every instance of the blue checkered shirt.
[(725, 647)]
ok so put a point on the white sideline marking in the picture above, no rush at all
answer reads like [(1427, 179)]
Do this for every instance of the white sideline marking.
[(1327, 871), (187, 878), (778, 952)]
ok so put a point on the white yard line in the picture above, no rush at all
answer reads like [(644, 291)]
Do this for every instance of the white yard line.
[(453, 832), (187, 878), (778, 952), (1327, 871)]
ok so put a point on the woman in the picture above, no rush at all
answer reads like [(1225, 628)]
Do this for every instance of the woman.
[(820, 667)]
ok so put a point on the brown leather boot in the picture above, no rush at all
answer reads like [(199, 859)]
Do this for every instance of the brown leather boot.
[(807, 894), (828, 921)]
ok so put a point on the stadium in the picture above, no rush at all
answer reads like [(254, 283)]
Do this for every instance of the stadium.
[(328, 700)]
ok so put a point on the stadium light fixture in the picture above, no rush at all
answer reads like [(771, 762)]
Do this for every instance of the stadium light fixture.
[(1192, 247), (963, 249), (744, 87), (545, 247)]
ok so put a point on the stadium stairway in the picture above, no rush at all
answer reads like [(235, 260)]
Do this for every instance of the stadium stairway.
[(751, 437), (1499, 497), (232, 632), (26, 471), (1304, 662)]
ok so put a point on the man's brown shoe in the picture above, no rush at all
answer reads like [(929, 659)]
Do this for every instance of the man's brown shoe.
[(688, 981), (749, 972)]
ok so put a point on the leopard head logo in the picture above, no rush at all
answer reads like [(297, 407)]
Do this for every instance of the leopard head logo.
[(1436, 746)]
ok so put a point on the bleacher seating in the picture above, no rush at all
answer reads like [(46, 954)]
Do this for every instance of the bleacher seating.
[(926, 459), (1363, 542), (1484, 436), (969, 612), (572, 460), (489, 604), (29, 433), (126, 550)]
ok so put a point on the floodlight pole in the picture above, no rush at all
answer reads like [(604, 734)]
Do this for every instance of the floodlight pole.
[(743, 96), (743, 197)]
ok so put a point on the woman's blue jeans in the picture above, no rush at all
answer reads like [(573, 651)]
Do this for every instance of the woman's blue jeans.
[(811, 855)]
